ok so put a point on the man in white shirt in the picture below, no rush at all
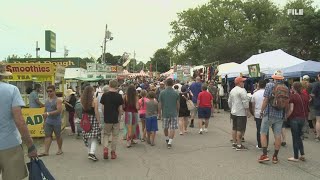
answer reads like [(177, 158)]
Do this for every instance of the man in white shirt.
[(257, 100), (239, 104)]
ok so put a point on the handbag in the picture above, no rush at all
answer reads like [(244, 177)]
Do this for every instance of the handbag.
[(38, 171), (85, 123), (190, 105)]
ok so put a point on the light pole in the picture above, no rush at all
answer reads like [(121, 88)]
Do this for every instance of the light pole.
[(107, 35)]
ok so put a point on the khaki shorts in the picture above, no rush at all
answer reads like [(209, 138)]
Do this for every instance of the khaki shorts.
[(12, 164), (312, 114)]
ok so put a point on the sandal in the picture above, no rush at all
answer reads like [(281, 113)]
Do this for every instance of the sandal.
[(59, 153), (43, 154), (302, 158)]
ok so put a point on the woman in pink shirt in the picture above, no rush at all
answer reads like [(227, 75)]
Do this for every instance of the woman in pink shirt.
[(142, 113)]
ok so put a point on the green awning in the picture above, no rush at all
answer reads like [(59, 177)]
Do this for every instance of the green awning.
[(89, 79)]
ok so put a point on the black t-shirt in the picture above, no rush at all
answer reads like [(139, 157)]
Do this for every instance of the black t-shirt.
[(72, 101), (111, 102)]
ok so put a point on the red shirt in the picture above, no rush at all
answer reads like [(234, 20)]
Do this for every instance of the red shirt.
[(205, 99), (299, 110)]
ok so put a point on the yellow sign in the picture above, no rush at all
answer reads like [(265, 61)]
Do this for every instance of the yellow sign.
[(19, 77), (34, 120), (28, 77), (43, 78), (113, 68), (30, 68)]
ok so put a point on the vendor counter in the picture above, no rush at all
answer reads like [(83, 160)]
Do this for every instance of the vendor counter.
[(34, 120)]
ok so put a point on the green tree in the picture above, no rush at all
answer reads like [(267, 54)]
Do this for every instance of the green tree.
[(160, 60), (301, 34), (234, 30), (90, 60), (109, 59), (13, 56)]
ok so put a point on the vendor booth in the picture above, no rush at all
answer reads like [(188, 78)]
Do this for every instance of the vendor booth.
[(25, 76), (267, 61), (311, 68)]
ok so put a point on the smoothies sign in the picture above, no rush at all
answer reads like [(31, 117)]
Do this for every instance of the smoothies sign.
[(34, 120), (34, 69)]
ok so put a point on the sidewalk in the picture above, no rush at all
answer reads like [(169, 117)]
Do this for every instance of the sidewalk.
[(193, 156)]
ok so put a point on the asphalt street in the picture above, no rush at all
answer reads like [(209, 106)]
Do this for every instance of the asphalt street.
[(193, 156)]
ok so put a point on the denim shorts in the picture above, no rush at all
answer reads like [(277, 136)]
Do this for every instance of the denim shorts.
[(204, 113), (152, 123), (49, 129), (275, 123)]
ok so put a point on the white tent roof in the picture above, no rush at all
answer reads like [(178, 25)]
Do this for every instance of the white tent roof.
[(226, 66), (268, 61)]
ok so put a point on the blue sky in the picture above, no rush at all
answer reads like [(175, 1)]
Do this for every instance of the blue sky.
[(136, 25)]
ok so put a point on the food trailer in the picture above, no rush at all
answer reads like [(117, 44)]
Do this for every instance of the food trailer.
[(25, 76)]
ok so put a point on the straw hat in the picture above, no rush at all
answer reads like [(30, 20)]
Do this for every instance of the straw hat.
[(69, 92), (3, 71)]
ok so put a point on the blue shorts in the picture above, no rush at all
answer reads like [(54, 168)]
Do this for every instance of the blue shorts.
[(204, 112), (275, 123), (152, 123)]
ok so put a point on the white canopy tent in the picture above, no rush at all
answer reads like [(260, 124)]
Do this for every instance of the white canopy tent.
[(267, 61), (226, 66)]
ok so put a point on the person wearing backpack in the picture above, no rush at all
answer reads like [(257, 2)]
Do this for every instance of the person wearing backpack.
[(273, 112)]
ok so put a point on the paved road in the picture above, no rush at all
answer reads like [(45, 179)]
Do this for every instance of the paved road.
[(193, 156)]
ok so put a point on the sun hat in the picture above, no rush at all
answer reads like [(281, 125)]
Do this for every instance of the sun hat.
[(69, 92), (278, 75), (239, 80), (3, 71)]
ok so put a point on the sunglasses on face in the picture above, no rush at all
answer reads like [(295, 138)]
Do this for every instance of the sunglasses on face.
[(49, 91)]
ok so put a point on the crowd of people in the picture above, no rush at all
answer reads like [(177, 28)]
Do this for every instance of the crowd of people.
[(140, 105)]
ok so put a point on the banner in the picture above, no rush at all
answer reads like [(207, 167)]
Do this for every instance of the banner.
[(27, 69), (34, 120), (254, 70)]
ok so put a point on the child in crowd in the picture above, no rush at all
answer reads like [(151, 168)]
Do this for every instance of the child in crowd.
[(151, 118), (142, 113)]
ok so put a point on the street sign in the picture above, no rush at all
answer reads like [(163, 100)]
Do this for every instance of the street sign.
[(50, 41)]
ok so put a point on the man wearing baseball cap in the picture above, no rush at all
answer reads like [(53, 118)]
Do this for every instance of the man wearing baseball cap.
[(272, 115), (239, 104)]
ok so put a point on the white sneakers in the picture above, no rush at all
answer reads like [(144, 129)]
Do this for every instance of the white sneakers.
[(203, 130)]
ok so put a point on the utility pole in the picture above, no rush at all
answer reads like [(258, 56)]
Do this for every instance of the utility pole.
[(66, 52), (134, 62), (104, 45), (37, 49)]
